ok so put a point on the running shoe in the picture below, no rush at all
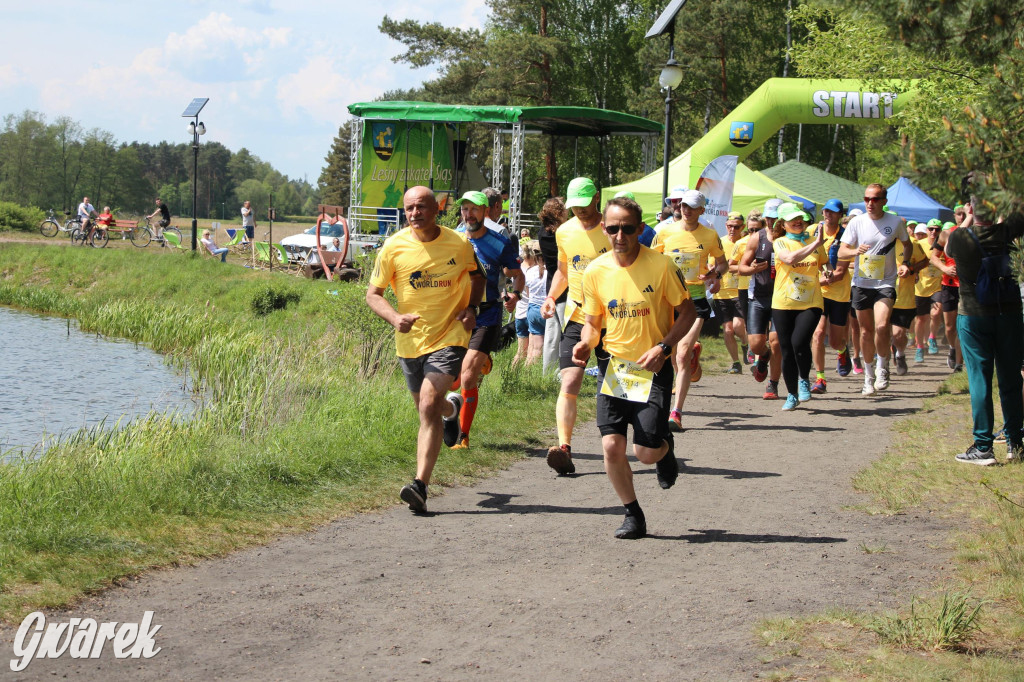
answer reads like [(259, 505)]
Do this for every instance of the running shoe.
[(843, 364), (667, 467), (976, 455), (1015, 453), (881, 379), (933, 348), (736, 368), (696, 372), (803, 390), (869, 388), (415, 495), (951, 358), (760, 370), (819, 387), (632, 528), (858, 366), (451, 432), (999, 436), (463, 444), (791, 403), (675, 421), (560, 459), (901, 365), (919, 355), (748, 355), (771, 391)]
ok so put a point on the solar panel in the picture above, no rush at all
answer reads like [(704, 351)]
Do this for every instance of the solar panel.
[(195, 107), (664, 22)]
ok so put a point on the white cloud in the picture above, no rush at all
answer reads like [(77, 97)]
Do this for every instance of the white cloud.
[(322, 92), (218, 49), (8, 76)]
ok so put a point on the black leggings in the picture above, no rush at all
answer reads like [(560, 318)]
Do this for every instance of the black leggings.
[(795, 329)]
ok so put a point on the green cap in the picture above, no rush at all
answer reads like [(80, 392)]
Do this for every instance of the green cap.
[(934, 222), (478, 198), (948, 226), (958, 206), (789, 211), (625, 195), (580, 193)]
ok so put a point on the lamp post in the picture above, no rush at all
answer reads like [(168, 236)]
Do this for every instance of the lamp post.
[(195, 129), (671, 76)]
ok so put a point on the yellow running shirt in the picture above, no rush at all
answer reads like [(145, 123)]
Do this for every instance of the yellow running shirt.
[(742, 281), (929, 280), (430, 279), (839, 290), (729, 284), (797, 286), (689, 250), (636, 303), (577, 247), (905, 285)]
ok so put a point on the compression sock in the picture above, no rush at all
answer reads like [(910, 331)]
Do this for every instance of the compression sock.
[(565, 417), (819, 375), (469, 396), (633, 509), (869, 369)]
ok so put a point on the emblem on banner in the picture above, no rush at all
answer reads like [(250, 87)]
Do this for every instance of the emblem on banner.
[(741, 133), (384, 140)]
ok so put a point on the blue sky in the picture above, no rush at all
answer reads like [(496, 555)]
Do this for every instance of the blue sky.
[(279, 73)]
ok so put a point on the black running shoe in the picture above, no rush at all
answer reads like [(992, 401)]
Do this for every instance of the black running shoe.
[(452, 432), (632, 528), (668, 466), (415, 495), (560, 459)]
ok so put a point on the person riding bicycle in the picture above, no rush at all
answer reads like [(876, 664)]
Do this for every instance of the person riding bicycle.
[(165, 215), (85, 213)]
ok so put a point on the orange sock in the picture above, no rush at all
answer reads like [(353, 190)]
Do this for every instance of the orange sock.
[(469, 396)]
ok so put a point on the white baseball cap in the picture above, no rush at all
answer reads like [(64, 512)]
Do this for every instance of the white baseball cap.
[(693, 199)]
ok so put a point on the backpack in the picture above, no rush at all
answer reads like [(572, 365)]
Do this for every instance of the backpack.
[(996, 285)]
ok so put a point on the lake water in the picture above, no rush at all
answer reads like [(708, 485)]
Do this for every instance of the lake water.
[(53, 383)]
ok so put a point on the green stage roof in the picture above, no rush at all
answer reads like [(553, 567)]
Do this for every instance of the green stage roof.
[(565, 121), (815, 184)]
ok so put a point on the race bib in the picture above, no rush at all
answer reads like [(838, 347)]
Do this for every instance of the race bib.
[(872, 266), (627, 380), (800, 288), (689, 264), (570, 308)]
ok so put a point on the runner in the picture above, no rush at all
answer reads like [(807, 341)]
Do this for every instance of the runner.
[(927, 294), (726, 301), (498, 257), (796, 301), (758, 262), (950, 294), (438, 284), (904, 310), (692, 246), (634, 291), (835, 292), (743, 286), (580, 240), (869, 238)]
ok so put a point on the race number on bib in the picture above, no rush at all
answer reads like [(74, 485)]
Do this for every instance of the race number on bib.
[(800, 288), (872, 266), (689, 264), (627, 380)]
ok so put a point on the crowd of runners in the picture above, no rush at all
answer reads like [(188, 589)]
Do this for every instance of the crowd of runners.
[(870, 285)]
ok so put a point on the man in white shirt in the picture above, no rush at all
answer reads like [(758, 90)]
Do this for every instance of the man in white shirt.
[(85, 213), (870, 239)]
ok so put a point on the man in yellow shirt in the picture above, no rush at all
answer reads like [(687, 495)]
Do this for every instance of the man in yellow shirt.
[(633, 291), (927, 295), (580, 240), (904, 310), (438, 283), (726, 301), (835, 290), (693, 247)]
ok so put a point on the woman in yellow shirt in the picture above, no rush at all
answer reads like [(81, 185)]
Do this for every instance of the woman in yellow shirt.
[(797, 301)]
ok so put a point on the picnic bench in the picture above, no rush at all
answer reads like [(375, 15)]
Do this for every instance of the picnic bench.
[(122, 227)]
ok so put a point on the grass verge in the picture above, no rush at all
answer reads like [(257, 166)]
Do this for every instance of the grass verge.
[(970, 627), (307, 420)]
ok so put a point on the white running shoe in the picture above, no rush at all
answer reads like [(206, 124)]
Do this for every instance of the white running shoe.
[(882, 379), (869, 388)]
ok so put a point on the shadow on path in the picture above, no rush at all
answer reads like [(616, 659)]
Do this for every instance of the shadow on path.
[(713, 535)]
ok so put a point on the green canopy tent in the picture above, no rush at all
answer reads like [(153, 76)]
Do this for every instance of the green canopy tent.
[(515, 121)]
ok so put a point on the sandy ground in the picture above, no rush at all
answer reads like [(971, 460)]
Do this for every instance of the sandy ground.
[(520, 577)]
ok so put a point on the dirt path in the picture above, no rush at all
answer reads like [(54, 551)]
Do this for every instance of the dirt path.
[(519, 576)]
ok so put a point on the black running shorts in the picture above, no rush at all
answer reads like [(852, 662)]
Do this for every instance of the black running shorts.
[(485, 339), (862, 298), (903, 317), (570, 337), (649, 420), (950, 298), (837, 314)]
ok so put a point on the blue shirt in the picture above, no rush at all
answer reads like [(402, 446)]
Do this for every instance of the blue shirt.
[(495, 253), (647, 236)]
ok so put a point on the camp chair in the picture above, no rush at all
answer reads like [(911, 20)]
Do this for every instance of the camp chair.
[(282, 259), (172, 240), (261, 254)]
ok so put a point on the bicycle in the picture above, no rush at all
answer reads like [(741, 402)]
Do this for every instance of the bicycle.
[(142, 235), (50, 227), (97, 237)]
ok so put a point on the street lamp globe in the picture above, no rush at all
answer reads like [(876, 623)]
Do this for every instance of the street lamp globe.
[(671, 75), (202, 126)]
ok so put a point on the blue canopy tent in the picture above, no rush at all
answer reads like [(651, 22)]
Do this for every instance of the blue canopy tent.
[(907, 200)]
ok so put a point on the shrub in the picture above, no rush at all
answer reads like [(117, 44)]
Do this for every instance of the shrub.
[(269, 298), (16, 217)]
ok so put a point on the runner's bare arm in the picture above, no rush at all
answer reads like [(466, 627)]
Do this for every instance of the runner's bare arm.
[(518, 282), (559, 283), (590, 336), (792, 257), (378, 304), (747, 266), (467, 316)]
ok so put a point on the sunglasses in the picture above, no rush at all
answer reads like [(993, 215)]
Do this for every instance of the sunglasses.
[(934, 229), (626, 229), (866, 199)]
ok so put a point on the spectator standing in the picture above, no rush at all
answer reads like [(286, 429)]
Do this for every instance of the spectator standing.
[(551, 216), (248, 223)]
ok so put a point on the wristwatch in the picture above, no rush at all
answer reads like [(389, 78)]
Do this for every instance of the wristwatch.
[(474, 308), (664, 348), (518, 293)]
